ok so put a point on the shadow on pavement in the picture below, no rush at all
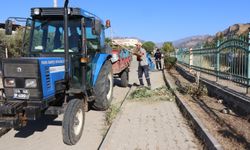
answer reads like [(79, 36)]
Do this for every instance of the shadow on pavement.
[(37, 126), (117, 82)]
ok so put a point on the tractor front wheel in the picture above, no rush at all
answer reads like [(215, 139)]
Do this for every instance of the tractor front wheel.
[(73, 121)]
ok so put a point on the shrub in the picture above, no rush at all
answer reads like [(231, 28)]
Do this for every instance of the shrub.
[(169, 61), (196, 90)]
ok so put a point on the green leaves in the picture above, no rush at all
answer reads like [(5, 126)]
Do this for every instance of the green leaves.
[(158, 94), (149, 46), (141, 93), (169, 61), (168, 47), (108, 41), (12, 42)]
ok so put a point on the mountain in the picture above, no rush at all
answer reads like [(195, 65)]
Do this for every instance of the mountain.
[(236, 29), (197, 41), (192, 41)]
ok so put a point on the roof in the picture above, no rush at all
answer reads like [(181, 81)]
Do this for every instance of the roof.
[(51, 11)]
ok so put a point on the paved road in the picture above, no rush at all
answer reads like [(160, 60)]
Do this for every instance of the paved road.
[(46, 133)]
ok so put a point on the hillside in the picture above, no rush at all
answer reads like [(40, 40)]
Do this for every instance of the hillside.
[(197, 41), (236, 29), (192, 41)]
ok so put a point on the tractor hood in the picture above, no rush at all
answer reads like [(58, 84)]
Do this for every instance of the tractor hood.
[(46, 70)]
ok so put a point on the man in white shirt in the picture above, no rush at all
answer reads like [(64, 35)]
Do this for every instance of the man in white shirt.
[(142, 65)]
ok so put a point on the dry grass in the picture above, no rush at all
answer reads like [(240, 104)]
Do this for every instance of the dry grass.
[(111, 114), (194, 89)]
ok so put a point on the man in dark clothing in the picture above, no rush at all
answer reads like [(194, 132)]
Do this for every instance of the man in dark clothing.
[(142, 65), (158, 59)]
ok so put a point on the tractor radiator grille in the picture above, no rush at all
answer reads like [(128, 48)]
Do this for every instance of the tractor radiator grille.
[(20, 70), (48, 77)]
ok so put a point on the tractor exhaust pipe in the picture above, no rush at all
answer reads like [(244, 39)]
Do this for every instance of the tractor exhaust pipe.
[(55, 3), (66, 43)]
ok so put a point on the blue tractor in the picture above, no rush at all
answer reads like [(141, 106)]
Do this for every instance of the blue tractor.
[(65, 66)]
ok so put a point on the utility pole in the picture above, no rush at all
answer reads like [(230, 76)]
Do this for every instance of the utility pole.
[(55, 3), (111, 33)]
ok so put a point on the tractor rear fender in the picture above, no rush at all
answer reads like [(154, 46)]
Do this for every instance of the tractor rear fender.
[(98, 62)]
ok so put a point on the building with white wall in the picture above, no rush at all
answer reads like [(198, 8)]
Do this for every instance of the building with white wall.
[(126, 41)]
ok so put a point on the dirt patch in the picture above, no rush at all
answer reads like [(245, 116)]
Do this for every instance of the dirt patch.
[(231, 131)]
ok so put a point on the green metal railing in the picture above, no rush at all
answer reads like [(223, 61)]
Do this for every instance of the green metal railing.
[(230, 59), (183, 56)]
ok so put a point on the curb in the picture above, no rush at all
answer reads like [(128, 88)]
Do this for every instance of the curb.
[(201, 131)]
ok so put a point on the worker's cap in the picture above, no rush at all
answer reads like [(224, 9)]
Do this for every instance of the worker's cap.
[(139, 44)]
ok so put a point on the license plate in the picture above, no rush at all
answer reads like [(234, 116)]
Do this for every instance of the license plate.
[(21, 94)]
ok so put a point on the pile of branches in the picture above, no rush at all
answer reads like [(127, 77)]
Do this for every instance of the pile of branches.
[(162, 93)]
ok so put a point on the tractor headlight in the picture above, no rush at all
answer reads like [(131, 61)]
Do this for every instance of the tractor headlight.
[(9, 82), (30, 83), (37, 11)]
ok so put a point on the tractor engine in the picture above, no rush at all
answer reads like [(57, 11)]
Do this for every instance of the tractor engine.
[(32, 78)]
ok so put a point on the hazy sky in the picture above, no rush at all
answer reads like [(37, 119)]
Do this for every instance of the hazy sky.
[(155, 20)]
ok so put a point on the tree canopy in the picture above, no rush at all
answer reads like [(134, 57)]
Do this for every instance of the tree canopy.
[(149, 46), (12, 42), (168, 47), (108, 41)]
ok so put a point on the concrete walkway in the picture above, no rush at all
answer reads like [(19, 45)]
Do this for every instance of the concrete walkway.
[(150, 125)]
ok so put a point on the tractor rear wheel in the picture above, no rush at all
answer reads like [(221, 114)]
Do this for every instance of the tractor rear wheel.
[(124, 78), (104, 87), (73, 122)]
